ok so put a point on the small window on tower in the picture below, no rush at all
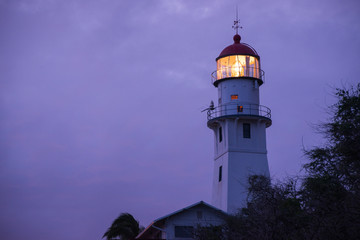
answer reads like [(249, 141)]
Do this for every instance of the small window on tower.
[(234, 97), (220, 173), (220, 134), (240, 108), (246, 130)]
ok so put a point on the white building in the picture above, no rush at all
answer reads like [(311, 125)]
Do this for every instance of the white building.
[(239, 123), (183, 223)]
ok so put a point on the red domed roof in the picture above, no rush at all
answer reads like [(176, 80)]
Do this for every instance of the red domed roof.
[(238, 49)]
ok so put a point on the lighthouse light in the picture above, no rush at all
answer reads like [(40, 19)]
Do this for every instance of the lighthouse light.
[(237, 66)]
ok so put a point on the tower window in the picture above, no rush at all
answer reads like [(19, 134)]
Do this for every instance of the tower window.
[(246, 130), (220, 173), (220, 134), (234, 97), (240, 108)]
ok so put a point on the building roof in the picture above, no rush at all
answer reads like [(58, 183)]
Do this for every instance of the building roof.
[(238, 48), (189, 207), (162, 219)]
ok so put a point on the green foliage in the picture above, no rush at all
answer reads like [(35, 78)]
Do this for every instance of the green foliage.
[(328, 204), (125, 227), (273, 212), (340, 158), (330, 191)]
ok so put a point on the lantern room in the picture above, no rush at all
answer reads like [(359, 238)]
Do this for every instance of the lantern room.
[(238, 60)]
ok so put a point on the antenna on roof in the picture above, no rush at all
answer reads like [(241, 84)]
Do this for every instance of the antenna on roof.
[(236, 22)]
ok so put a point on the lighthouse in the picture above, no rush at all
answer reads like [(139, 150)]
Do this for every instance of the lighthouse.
[(239, 124)]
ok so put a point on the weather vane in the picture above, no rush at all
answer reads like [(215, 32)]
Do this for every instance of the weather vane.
[(236, 22)]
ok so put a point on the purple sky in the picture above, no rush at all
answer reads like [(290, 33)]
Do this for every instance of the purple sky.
[(100, 101)]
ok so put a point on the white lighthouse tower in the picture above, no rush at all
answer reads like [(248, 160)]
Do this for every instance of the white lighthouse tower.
[(239, 123)]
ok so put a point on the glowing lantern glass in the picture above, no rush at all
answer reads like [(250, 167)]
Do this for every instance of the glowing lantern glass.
[(237, 66)]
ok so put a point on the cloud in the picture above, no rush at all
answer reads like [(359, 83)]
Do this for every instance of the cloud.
[(100, 101)]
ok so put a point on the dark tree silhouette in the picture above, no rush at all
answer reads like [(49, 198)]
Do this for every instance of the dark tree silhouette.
[(125, 227), (331, 190), (340, 157)]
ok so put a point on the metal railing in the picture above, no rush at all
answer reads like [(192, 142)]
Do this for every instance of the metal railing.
[(235, 72), (238, 109)]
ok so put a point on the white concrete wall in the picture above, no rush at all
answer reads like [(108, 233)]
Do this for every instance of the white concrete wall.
[(190, 218), (239, 157), (220, 189), (246, 89), (241, 165), (233, 140)]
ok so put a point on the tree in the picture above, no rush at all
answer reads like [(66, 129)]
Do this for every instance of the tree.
[(340, 157), (125, 227), (331, 189), (329, 207), (273, 212)]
